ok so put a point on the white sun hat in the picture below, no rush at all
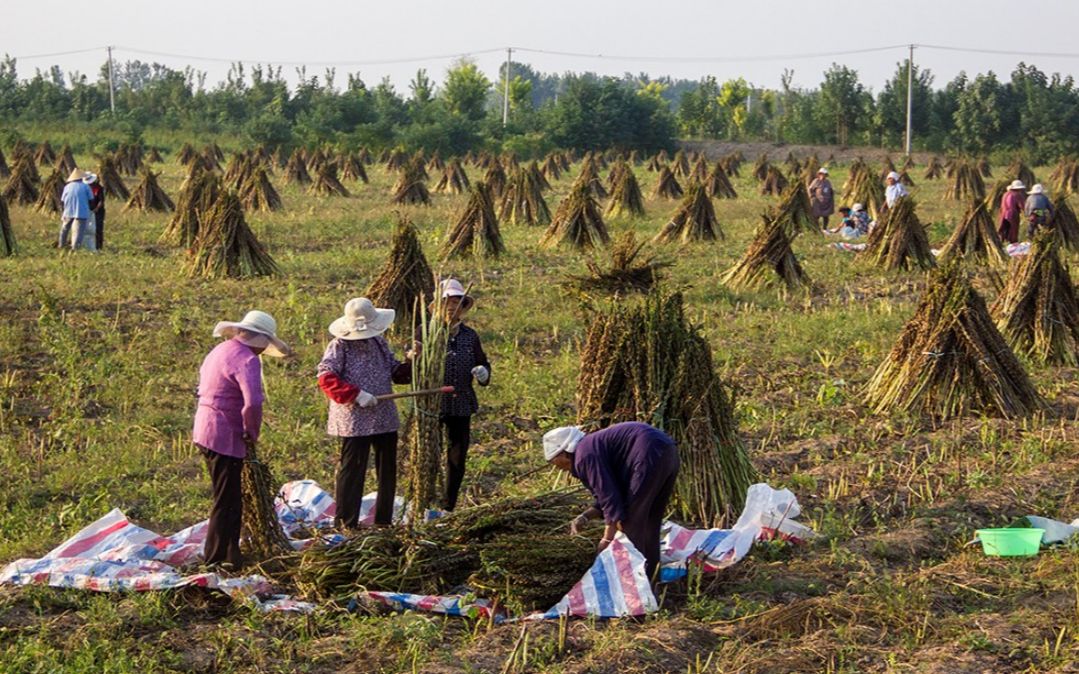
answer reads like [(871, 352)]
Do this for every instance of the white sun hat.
[(260, 323), (451, 287), (362, 320), (560, 440), (1037, 189), (857, 207), (90, 178), (1017, 185), (894, 176), (822, 170)]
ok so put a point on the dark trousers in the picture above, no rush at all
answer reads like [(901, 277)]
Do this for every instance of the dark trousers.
[(645, 509), (1009, 231), (458, 437), (226, 512), (353, 469), (99, 235)]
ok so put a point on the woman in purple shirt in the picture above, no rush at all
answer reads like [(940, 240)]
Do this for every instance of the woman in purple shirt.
[(228, 420), (631, 469)]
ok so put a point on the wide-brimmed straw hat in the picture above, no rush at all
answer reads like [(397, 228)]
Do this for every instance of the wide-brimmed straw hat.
[(560, 440), (76, 174), (260, 323), (362, 320), (1017, 185), (1037, 189), (90, 178)]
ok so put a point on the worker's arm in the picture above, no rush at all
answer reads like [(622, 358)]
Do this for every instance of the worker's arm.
[(249, 379), (592, 513)]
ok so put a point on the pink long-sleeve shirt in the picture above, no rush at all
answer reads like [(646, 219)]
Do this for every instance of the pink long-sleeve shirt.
[(1011, 205), (230, 399)]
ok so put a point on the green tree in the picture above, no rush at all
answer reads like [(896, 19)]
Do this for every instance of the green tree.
[(466, 89), (891, 111), (980, 116), (843, 102)]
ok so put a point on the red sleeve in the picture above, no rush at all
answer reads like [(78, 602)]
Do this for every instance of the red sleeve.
[(337, 389)]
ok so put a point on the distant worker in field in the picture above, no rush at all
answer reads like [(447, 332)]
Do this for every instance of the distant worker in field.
[(357, 367), (894, 189), (76, 214), (822, 198), (228, 420), (1011, 208), (631, 469), (854, 225), (97, 208), (1038, 209)]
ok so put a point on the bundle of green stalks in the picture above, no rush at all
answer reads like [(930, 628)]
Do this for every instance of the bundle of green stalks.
[(279, 159), (406, 278), (718, 184), (810, 169), (257, 192), (7, 234), (976, 238), (148, 196), (435, 163), (886, 167), (476, 230), (316, 159), (210, 158), (680, 164), (154, 156), (44, 155), (628, 271), (1064, 223), (327, 184), (419, 165), (425, 429), (262, 536), (950, 359), (966, 182), (551, 168), (626, 196), (1018, 170), (48, 200), (1064, 178), (653, 164), (577, 221), (667, 186), (238, 169), (794, 167), (29, 168), (109, 177), (65, 161), (646, 362), (984, 168), (694, 220), (523, 202), (934, 170), (226, 247), (198, 194), (296, 169), (900, 241), (21, 188), (769, 256), (536, 176), (699, 173), (187, 154), (863, 187), (529, 572), (663, 157), (732, 164), (905, 179), (396, 160), (774, 182), (994, 196), (454, 180), (795, 212), (589, 176), (908, 163), (1038, 309), (129, 157), (5, 170), (495, 177), (760, 168)]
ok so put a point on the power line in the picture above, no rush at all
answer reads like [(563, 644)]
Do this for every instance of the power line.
[(1001, 52), (375, 62), (58, 53), (712, 59)]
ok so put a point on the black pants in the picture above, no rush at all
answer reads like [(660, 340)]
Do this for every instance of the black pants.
[(645, 509), (458, 436), (353, 469), (226, 512), (99, 235)]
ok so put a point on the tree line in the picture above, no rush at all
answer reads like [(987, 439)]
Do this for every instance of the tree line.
[(1031, 112)]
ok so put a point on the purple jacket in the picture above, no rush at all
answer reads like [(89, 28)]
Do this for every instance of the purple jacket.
[(615, 464), (230, 399)]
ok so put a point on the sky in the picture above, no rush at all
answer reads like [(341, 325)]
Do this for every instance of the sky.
[(659, 37)]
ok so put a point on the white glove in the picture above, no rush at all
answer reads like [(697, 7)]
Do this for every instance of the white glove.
[(481, 374), (365, 399)]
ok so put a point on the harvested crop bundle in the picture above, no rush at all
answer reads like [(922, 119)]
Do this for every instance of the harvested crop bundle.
[(326, 183), (435, 163), (425, 427), (476, 230), (7, 234), (900, 241), (532, 571), (397, 160), (769, 253), (454, 180), (760, 168), (795, 212), (699, 172), (905, 179), (148, 195), (718, 184), (1064, 178), (975, 237), (495, 178), (406, 277), (1064, 223), (625, 193), (551, 168), (577, 221), (523, 202), (48, 200), (1037, 312), (226, 246), (154, 156), (646, 362), (198, 194), (536, 176), (5, 170), (129, 158), (864, 188), (21, 189), (774, 182), (109, 177), (44, 154), (994, 196), (695, 220), (65, 161), (732, 164), (187, 154), (888, 166), (966, 182), (667, 186), (296, 169), (950, 358), (410, 187), (680, 164), (1018, 170), (262, 536), (589, 176), (984, 168), (238, 169), (628, 271), (934, 169), (257, 192)]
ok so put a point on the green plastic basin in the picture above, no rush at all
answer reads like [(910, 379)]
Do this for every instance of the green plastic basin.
[(1010, 542)]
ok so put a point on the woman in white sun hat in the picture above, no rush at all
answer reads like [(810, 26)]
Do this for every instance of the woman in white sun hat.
[(1011, 206), (228, 419), (1038, 209), (358, 366), (821, 198)]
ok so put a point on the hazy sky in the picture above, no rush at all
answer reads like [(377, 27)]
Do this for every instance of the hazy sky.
[(735, 35)]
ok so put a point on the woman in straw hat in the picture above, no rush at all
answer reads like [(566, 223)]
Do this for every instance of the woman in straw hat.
[(358, 366), (1011, 206), (73, 221), (228, 419)]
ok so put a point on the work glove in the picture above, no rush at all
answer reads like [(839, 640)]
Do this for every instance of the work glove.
[(365, 399), (481, 374), (576, 523)]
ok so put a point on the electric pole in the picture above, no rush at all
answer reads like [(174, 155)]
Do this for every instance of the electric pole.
[(506, 87), (112, 87), (910, 93)]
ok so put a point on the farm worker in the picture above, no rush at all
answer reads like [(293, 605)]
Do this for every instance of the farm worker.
[(630, 468), (359, 365), (97, 208), (228, 419), (894, 189), (855, 224), (822, 197), (465, 362), (1011, 205), (76, 198), (1038, 209)]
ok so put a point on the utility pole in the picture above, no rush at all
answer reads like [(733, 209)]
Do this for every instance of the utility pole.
[(910, 93), (112, 87), (506, 87)]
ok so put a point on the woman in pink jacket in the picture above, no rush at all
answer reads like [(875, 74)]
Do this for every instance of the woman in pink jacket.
[(1011, 211)]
